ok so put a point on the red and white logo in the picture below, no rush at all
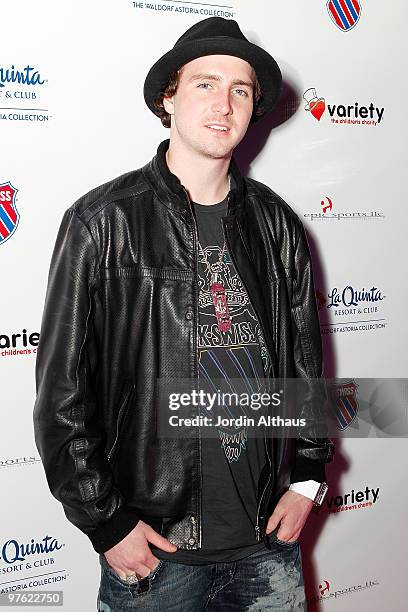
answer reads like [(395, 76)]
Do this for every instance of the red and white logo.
[(9, 216), (315, 105)]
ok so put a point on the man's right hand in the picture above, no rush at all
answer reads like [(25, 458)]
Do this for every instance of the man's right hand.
[(132, 554)]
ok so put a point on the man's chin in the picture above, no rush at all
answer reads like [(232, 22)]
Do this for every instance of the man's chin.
[(218, 151)]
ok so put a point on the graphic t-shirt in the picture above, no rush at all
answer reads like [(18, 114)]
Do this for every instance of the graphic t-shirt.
[(232, 461)]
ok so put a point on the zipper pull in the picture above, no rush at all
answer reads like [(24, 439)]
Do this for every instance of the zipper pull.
[(257, 533)]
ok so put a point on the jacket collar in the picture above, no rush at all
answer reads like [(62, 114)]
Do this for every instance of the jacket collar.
[(170, 190)]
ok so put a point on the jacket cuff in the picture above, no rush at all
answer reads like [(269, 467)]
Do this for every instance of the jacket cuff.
[(107, 535), (308, 470)]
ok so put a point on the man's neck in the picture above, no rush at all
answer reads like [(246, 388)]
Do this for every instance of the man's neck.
[(205, 179)]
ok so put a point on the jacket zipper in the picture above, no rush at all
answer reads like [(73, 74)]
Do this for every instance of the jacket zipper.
[(121, 415), (257, 528), (195, 248)]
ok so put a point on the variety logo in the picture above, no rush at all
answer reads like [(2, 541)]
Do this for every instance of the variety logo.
[(315, 105), (344, 403), (19, 85), (355, 500), (9, 215), (344, 13), (328, 211), (353, 304), (19, 343), (342, 114)]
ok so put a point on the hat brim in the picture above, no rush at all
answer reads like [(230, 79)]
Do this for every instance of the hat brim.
[(266, 68)]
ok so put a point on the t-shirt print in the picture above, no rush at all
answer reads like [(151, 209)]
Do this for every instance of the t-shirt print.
[(239, 353)]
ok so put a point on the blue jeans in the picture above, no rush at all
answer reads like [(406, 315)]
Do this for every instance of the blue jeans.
[(265, 580)]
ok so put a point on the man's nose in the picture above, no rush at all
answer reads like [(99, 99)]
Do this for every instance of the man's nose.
[(222, 103)]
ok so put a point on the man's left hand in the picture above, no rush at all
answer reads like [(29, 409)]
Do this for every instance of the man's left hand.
[(291, 511)]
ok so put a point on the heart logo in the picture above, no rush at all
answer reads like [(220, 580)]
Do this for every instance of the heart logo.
[(317, 108)]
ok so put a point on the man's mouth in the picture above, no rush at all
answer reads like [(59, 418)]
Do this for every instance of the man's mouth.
[(217, 127)]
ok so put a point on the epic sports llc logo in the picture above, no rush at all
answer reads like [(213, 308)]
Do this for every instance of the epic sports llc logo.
[(326, 591), (9, 215), (344, 13), (329, 212), (342, 114)]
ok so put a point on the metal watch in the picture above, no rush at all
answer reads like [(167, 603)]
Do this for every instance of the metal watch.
[(321, 492)]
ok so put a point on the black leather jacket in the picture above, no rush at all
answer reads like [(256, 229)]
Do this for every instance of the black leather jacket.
[(121, 310)]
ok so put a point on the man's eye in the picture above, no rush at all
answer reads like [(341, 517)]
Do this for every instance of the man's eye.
[(242, 92), (203, 84)]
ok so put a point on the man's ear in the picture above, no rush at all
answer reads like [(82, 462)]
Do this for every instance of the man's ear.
[(168, 104)]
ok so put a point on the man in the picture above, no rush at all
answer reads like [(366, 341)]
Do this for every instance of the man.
[(183, 269)]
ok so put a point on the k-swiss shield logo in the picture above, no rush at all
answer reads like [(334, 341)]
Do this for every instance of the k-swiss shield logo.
[(344, 13), (344, 403), (9, 216)]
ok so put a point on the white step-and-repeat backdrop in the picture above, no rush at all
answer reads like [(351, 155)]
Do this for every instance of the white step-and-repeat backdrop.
[(72, 116)]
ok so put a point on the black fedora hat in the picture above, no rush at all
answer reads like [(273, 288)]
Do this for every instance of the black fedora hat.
[(215, 36)]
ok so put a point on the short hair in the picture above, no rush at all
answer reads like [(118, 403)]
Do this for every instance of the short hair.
[(171, 89)]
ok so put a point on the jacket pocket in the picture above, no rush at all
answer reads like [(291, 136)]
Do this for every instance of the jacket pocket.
[(120, 421), (137, 271)]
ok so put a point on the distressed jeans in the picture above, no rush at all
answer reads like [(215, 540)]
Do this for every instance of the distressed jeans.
[(269, 579)]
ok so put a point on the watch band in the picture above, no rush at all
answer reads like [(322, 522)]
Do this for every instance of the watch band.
[(318, 500)]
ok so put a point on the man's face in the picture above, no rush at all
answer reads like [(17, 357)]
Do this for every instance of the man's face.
[(214, 90)]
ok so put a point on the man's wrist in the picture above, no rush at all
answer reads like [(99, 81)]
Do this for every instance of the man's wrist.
[(312, 489), (106, 536)]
